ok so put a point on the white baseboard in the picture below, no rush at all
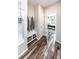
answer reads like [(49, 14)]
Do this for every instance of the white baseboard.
[(58, 41), (22, 53)]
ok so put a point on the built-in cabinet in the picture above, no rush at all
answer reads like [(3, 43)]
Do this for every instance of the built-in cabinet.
[(31, 24), (37, 12)]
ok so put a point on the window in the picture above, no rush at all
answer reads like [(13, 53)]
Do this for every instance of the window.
[(20, 22)]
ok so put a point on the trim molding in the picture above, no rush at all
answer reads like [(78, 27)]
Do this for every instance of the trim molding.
[(22, 53), (58, 41)]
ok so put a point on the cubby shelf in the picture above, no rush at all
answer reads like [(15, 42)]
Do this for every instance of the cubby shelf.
[(30, 36)]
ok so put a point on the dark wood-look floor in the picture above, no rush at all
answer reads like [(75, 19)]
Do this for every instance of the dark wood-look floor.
[(41, 50), (38, 53)]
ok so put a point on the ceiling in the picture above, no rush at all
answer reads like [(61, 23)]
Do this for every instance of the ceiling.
[(43, 3)]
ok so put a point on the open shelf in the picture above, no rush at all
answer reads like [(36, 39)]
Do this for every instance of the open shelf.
[(31, 35)]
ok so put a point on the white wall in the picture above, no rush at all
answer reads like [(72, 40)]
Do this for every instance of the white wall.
[(54, 9), (36, 18), (30, 10), (39, 16), (59, 22), (41, 20)]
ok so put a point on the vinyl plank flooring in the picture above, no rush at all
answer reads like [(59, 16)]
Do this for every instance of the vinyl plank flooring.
[(42, 51)]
